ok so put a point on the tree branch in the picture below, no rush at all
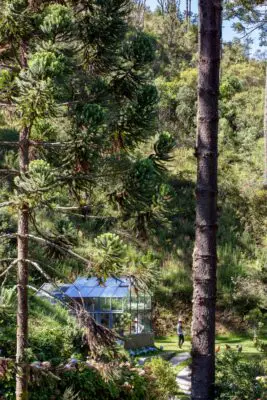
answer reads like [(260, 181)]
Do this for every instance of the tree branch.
[(8, 236), (49, 243), (14, 262), (35, 144), (82, 208), (3, 260), (2, 104), (249, 31), (37, 266), (60, 248), (6, 204), (48, 278), (11, 67), (48, 144), (9, 171), (7, 143)]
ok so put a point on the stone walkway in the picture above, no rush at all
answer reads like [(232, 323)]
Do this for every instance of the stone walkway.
[(184, 380), (184, 376)]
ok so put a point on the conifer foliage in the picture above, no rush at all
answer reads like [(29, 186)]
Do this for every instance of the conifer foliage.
[(76, 98)]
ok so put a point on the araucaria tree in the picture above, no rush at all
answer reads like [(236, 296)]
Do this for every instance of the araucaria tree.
[(205, 255), (76, 96)]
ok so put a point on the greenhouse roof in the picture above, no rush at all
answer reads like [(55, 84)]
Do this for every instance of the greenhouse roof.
[(92, 287)]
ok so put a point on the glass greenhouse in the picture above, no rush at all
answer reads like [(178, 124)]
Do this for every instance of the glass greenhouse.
[(116, 303)]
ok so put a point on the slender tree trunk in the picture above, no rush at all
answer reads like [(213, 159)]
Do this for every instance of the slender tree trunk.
[(22, 280), (162, 6), (205, 255), (22, 275), (265, 134), (189, 12), (186, 11)]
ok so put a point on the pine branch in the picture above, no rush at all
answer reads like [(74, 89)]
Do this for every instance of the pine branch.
[(48, 144), (249, 31), (35, 144), (4, 260), (8, 236), (82, 209), (49, 294), (6, 204), (9, 171), (49, 243), (60, 248), (10, 144), (37, 266), (8, 66), (97, 335), (74, 208), (3, 104), (50, 280), (14, 262)]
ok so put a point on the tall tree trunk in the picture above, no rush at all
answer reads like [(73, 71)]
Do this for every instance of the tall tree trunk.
[(189, 12), (186, 11), (265, 134), (162, 6), (205, 254), (22, 279)]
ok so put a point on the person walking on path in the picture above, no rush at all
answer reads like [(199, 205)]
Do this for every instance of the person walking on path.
[(180, 333)]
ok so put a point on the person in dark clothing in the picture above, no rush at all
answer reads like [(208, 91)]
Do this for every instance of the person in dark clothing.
[(180, 334)]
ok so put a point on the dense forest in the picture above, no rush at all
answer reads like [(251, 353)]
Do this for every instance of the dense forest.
[(98, 113)]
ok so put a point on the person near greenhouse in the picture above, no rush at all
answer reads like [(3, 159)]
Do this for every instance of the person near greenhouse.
[(138, 328), (180, 333)]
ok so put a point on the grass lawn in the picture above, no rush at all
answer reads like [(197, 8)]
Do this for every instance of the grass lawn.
[(169, 343)]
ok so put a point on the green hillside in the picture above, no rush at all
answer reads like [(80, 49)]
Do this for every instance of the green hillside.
[(115, 194)]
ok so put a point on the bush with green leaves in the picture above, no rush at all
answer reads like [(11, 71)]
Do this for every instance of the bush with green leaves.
[(236, 377), (164, 385), (163, 321), (102, 382), (7, 320)]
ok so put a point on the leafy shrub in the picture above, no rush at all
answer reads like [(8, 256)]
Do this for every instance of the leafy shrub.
[(100, 381), (53, 333), (236, 378), (164, 385), (7, 320), (7, 379), (163, 321), (248, 294)]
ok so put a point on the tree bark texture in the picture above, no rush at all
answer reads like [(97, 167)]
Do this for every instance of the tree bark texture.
[(22, 279), (205, 253), (265, 133)]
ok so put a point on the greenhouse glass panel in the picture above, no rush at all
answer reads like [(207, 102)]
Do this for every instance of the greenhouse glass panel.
[(121, 291), (145, 320), (104, 304), (116, 304), (147, 301), (125, 303), (97, 291)]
